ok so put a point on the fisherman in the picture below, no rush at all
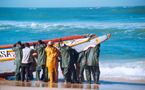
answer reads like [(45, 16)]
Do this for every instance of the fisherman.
[(74, 57), (93, 64), (17, 48), (66, 63), (27, 60), (41, 61), (52, 61), (82, 64)]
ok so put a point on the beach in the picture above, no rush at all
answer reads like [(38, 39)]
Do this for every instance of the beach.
[(105, 84)]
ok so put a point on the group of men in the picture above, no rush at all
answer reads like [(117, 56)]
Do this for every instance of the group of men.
[(48, 58)]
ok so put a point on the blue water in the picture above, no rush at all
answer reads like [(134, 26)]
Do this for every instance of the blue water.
[(125, 50)]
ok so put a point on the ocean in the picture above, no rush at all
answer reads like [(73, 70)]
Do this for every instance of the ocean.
[(123, 55)]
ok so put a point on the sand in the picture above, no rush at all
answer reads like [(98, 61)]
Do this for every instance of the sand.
[(105, 84)]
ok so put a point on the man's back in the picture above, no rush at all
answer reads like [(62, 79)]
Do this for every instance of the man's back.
[(41, 54), (27, 55), (92, 56), (18, 54)]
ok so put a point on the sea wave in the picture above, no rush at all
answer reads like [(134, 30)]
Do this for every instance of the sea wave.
[(120, 31), (113, 28), (132, 70), (89, 25)]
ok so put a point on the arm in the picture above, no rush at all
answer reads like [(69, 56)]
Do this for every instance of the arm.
[(43, 45), (14, 48), (97, 56), (58, 55), (86, 55), (34, 45), (79, 58), (59, 47)]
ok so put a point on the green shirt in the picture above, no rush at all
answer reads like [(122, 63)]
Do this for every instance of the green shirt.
[(41, 54), (18, 54), (93, 55), (66, 56), (81, 59)]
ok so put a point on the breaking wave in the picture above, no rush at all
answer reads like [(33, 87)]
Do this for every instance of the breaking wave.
[(132, 70), (125, 27)]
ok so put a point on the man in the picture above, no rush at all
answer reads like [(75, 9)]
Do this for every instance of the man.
[(82, 64), (74, 57), (41, 62), (93, 64), (52, 61), (66, 63), (26, 61), (17, 48)]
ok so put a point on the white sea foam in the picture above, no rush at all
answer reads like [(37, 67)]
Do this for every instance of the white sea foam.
[(99, 25), (134, 70), (113, 28)]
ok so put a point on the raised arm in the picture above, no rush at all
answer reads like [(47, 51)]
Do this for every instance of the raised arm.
[(59, 47), (14, 48)]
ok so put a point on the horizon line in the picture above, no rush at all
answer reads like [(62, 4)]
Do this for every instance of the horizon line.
[(70, 7)]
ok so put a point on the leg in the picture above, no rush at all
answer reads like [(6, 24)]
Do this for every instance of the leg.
[(81, 74), (30, 71), (50, 70), (37, 75), (88, 74), (73, 75), (43, 74), (23, 73), (77, 70), (96, 74), (66, 76), (27, 71), (56, 74), (17, 72), (69, 74), (46, 75), (30, 75)]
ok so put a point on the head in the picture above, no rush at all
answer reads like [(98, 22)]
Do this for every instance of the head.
[(50, 43), (26, 44), (63, 45), (19, 42), (39, 42), (98, 45)]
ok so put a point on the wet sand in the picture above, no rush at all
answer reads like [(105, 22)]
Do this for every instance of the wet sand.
[(105, 84)]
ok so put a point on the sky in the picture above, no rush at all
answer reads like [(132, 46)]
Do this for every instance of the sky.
[(70, 3)]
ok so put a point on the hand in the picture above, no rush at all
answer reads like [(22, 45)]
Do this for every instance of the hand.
[(97, 64), (60, 40), (86, 61), (34, 44), (14, 45), (78, 64)]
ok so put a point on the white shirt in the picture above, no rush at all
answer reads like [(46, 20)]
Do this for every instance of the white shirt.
[(27, 55)]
